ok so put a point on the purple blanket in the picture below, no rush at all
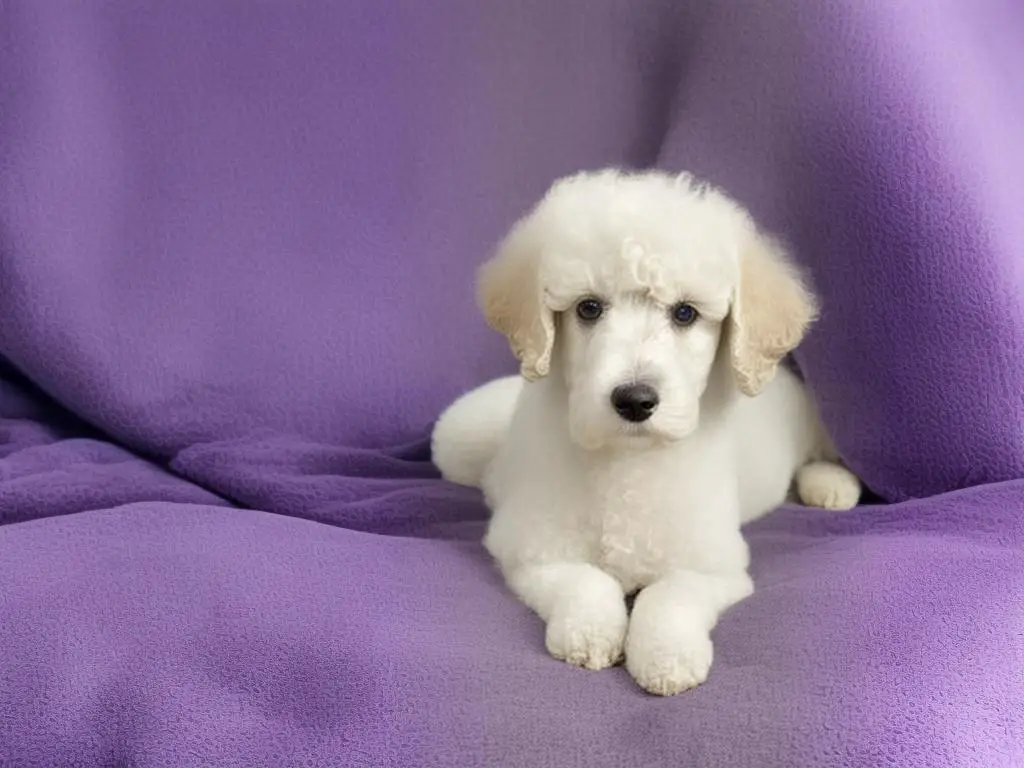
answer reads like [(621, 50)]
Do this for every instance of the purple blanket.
[(236, 252)]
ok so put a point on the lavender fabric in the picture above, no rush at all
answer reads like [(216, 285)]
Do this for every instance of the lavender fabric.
[(236, 253)]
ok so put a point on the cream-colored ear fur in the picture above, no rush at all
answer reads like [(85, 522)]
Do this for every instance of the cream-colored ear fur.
[(511, 295), (771, 313)]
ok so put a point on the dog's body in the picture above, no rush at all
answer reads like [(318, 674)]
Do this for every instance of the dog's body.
[(631, 453)]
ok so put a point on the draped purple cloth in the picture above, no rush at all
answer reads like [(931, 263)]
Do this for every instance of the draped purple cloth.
[(236, 251)]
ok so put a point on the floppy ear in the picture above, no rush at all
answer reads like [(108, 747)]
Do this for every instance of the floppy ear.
[(771, 312), (511, 295)]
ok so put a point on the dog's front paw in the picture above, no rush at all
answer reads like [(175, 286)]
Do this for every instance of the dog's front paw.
[(827, 485), (669, 660), (588, 636)]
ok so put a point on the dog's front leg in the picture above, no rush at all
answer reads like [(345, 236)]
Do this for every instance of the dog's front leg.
[(584, 609), (668, 649)]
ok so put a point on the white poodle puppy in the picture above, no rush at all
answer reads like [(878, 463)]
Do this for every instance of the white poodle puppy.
[(647, 311)]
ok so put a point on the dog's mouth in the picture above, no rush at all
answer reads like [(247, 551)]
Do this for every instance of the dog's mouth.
[(622, 436), (654, 432), (638, 436), (637, 430)]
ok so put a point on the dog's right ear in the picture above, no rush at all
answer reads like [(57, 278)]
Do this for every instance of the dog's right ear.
[(511, 296)]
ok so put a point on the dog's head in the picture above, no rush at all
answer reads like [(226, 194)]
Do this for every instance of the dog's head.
[(631, 286)]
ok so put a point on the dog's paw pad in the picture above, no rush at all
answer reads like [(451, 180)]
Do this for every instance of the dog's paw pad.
[(827, 485), (591, 641), (668, 670)]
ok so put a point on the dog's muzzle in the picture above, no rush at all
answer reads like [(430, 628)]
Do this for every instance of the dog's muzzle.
[(635, 402)]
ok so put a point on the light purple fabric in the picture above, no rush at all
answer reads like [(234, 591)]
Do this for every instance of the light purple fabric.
[(236, 252), (164, 633)]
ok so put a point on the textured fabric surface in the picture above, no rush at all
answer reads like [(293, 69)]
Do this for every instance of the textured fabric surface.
[(236, 252), (161, 633), (220, 217)]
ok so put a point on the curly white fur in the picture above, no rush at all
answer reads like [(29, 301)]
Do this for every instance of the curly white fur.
[(588, 506)]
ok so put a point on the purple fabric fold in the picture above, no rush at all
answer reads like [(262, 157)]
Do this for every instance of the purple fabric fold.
[(211, 228), (157, 634), (51, 463), (392, 492)]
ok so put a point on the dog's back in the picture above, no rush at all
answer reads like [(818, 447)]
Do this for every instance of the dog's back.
[(469, 433)]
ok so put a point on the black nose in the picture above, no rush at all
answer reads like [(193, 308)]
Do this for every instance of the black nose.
[(635, 402)]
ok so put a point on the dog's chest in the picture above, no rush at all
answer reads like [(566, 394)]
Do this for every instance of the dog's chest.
[(640, 522)]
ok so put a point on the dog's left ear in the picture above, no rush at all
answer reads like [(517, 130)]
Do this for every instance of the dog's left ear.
[(772, 311), (511, 294)]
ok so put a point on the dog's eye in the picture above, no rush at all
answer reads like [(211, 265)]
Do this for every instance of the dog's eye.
[(684, 314), (588, 310)]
